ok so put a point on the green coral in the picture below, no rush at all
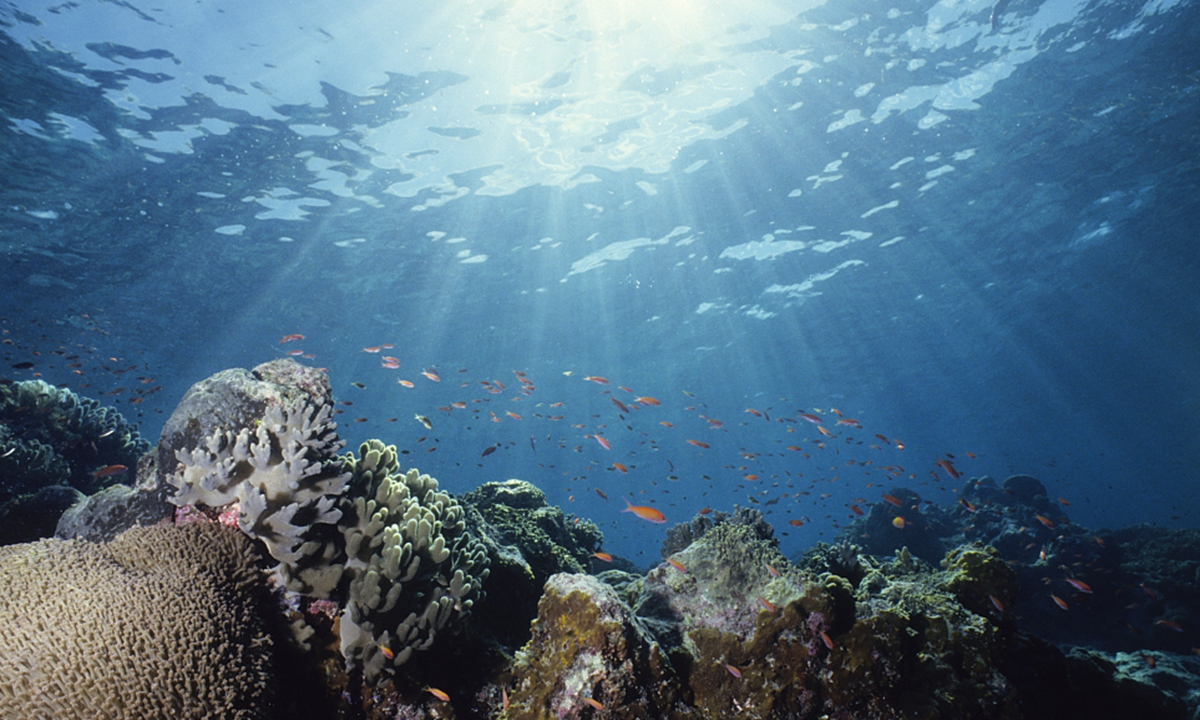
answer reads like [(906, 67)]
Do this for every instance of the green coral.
[(411, 569)]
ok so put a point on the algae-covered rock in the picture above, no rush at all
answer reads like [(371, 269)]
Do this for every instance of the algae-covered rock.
[(527, 541), (587, 654)]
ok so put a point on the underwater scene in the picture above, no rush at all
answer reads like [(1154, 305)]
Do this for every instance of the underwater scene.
[(494, 359)]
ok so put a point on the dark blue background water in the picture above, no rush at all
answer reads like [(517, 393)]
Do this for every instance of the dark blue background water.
[(1041, 312)]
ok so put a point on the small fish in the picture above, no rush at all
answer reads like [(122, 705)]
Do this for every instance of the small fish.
[(439, 694), (1079, 585), (966, 504), (949, 468), (593, 703), (596, 379), (289, 338), (664, 423), (826, 639), (622, 406), (601, 494), (772, 571), (404, 383), (504, 698), (814, 419), (705, 510), (893, 500), (766, 604), (10, 452), (424, 421), (390, 365), (602, 556), (795, 523), (996, 603), (1169, 624), (621, 467), (108, 470), (295, 353), (513, 415), (603, 443), (648, 401), (387, 652), (645, 512), (1045, 521), (372, 349), (676, 564), (488, 450), (856, 510), (1059, 602), (698, 444), (358, 385), (733, 671), (898, 522), (22, 366), (821, 429), (432, 375)]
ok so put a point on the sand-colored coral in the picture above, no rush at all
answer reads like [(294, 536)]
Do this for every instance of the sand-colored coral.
[(159, 623)]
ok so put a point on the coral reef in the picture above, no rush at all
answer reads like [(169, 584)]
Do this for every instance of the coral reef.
[(160, 623), (386, 545), (680, 535), (56, 447)]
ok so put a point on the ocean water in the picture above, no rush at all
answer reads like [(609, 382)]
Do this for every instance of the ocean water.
[(968, 227)]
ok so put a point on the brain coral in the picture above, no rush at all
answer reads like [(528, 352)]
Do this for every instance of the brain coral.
[(159, 623)]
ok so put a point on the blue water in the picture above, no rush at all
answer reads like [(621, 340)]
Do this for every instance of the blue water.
[(977, 240)]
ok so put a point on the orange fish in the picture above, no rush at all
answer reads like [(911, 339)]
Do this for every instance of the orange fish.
[(898, 522), (772, 571), (766, 604), (593, 703), (705, 511), (603, 443), (826, 639), (390, 365), (647, 401), (893, 500), (109, 471), (602, 556), (821, 429), (733, 671), (405, 383), (676, 564), (439, 694), (289, 338), (996, 603), (1045, 521), (849, 421), (596, 379), (949, 468), (795, 523), (1059, 602), (751, 477), (644, 512), (620, 466), (1079, 585), (1169, 624), (814, 419), (697, 443), (857, 510), (664, 423), (966, 504), (504, 698), (432, 375), (513, 415), (372, 349)]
